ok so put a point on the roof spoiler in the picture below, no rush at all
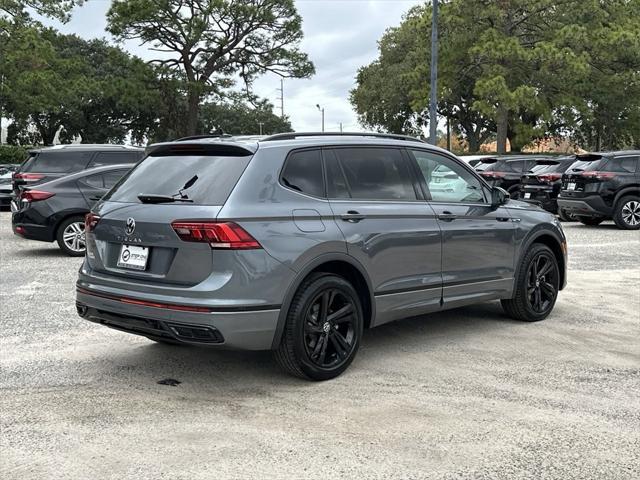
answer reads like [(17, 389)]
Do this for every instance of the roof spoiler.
[(200, 148)]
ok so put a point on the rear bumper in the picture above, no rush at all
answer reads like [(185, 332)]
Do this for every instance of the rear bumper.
[(591, 206), (5, 199), (232, 327)]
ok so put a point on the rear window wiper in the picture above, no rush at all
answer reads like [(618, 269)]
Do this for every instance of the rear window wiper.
[(151, 198)]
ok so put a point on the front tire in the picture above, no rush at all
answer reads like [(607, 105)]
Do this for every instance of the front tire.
[(70, 236), (627, 215), (566, 217), (537, 285), (591, 221), (323, 329)]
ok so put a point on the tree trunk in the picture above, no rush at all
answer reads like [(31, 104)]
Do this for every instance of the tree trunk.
[(193, 110), (502, 123), (474, 142)]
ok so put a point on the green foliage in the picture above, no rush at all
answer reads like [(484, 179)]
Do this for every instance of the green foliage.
[(209, 44), (16, 10), (240, 118), (524, 69), (12, 154)]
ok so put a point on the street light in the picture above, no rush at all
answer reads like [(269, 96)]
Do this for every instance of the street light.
[(321, 110)]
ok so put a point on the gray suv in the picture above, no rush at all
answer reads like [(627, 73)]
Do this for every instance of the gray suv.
[(298, 242)]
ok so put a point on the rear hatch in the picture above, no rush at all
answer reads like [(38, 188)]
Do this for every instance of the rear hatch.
[(580, 174), (46, 165), (173, 184), (544, 179)]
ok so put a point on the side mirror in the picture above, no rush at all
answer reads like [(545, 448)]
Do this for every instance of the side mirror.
[(499, 196)]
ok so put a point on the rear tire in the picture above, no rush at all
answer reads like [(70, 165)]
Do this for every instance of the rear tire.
[(323, 329), (591, 221), (627, 214), (70, 236), (537, 285)]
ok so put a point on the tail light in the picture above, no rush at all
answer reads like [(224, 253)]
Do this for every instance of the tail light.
[(29, 177), (493, 174), (35, 195), (549, 177), (599, 175), (90, 222), (225, 235)]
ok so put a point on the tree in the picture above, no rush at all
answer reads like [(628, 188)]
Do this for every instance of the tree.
[(17, 9), (211, 43), (242, 117)]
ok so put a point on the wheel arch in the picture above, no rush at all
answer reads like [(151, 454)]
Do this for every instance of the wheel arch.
[(339, 264), (554, 242), (630, 190), (64, 215)]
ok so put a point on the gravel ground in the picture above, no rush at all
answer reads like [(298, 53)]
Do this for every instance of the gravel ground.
[(463, 394)]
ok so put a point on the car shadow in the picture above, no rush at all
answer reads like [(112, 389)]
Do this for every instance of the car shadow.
[(41, 252), (221, 371)]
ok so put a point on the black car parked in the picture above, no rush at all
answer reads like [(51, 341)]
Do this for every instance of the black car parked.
[(55, 210), (48, 163), (541, 185), (599, 186), (505, 171)]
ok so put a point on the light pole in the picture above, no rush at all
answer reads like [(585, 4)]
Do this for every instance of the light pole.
[(321, 110), (433, 101)]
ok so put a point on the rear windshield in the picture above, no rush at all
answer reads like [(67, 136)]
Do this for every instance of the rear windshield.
[(483, 165), (589, 163), (56, 162), (506, 166), (211, 179), (550, 167)]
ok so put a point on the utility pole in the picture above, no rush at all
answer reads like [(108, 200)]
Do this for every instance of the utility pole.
[(340, 127), (448, 134), (261, 125), (1, 104), (433, 102), (281, 97), (321, 110)]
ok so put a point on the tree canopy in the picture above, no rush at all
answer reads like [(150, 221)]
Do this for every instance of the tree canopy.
[(516, 69), (212, 43)]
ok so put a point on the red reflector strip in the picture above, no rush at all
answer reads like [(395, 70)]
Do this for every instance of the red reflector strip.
[(145, 303)]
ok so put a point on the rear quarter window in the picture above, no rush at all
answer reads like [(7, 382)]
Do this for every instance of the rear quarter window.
[(167, 175), (622, 165), (303, 172), (57, 162)]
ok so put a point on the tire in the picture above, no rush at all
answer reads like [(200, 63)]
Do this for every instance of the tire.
[(314, 345), (538, 278), (590, 221), (70, 236), (566, 217), (627, 214)]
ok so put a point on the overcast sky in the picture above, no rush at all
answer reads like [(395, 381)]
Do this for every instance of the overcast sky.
[(339, 35)]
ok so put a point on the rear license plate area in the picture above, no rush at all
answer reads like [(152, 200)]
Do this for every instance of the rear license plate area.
[(133, 257)]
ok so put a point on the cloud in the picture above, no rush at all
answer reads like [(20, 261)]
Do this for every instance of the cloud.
[(340, 36)]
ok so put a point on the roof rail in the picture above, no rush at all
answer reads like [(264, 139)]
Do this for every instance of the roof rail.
[(294, 135), (208, 135)]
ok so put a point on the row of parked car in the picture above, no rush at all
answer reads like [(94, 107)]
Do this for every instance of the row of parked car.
[(590, 188), (51, 192)]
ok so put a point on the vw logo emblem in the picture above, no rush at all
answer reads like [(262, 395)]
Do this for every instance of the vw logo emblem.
[(130, 226)]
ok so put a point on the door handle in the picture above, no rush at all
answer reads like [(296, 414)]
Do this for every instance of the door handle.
[(447, 216), (352, 216), (95, 198), (503, 219)]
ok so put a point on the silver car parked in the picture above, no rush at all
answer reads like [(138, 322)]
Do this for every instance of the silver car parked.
[(298, 242)]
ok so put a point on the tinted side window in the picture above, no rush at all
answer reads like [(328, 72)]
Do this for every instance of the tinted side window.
[(113, 158), (336, 182), (622, 164), (303, 172), (376, 173), (111, 178), (95, 181), (446, 180), (58, 162)]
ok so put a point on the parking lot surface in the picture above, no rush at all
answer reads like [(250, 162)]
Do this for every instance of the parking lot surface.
[(466, 393)]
